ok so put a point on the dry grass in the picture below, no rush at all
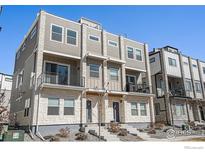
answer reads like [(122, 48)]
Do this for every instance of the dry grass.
[(199, 139)]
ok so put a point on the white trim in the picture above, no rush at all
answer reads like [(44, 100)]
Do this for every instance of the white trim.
[(61, 54), (52, 24), (112, 44), (66, 37), (63, 64), (135, 69), (94, 36), (116, 60), (96, 56)]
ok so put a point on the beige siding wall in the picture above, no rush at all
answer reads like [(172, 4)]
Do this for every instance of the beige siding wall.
[(132, 62), (94, 47), (155, 67), (187, 73), (62, 47), (113, 51), (113, 84), (94, 82), (195, 70)]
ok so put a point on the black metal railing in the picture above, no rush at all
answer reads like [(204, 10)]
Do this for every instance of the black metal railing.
[(141, 88), (178, 92), (54, 78)]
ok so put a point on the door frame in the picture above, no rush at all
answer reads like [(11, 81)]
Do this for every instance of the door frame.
[(91, 119), (115, 115)]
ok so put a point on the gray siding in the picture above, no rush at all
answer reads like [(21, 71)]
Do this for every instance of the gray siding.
[(58, 46)]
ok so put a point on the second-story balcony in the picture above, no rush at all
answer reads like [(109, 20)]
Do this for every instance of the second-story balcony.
[(140, 88), (54, 80)]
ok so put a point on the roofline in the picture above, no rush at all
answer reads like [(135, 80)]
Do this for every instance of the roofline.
[(6, 74)]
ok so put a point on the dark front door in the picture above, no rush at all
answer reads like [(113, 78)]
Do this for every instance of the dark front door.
[(202, 113), (62, 74), (116, 114), (89, 111)]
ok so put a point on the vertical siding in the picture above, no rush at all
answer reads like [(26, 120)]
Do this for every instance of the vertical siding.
[(155, 66), (113, 51)]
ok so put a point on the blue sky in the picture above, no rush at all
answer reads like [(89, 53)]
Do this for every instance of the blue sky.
[(180, 26)]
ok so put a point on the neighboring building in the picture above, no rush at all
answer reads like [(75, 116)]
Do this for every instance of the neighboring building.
[(178, 82), (73, 73), (5, 89)]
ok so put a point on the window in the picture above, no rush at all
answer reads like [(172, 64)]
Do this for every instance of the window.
[(138, 54), (57, 33), (69, 106), (152, 60), (157, 108), (198, 87), (194, 65), (53, 106), (112, 43), (143, 110), (33, 33), (172, 62), (8, 79), (27, 106), (204, 70), (179, 110), (94, 70), (94, 38), (134, 109), (186, 63), (130, 53), (188, 85), (114, 73), (18, 54), (71, 37)]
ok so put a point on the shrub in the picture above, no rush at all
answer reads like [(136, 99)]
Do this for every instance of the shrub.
[(64, 132), (114, 127), (123, 132), (81, 136)]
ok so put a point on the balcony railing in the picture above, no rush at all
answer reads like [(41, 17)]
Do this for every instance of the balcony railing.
[(141, 88), (178, 92), (57, 79)]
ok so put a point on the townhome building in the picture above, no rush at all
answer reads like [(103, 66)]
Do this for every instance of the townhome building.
[(76, 73), (178, 82), (5, 89)]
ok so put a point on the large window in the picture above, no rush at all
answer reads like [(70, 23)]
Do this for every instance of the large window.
[(138, 54), (94, 38), (94, 70), (71, 37), (198, 87), (172, 62), (143, 109), (69, 106), (56, 33), (179, 110), (134, 109), (130, 52), (114, 73), (53, 106), (188, 85)]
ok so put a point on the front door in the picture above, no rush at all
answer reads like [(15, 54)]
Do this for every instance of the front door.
[(116, 114), (202, 113), (89, 111)]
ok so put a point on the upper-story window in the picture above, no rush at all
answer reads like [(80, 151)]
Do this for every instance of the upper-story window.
[(94, 38), (114, 73), (198, 87), (112, 43), (138, 54), (56, 33), (172, 62), (130, 52), (188, 85), (204, 70), (194, 65), (33, 33), (94, 70), (152, 60), (18, 54), (23, 46), (71, 37)]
